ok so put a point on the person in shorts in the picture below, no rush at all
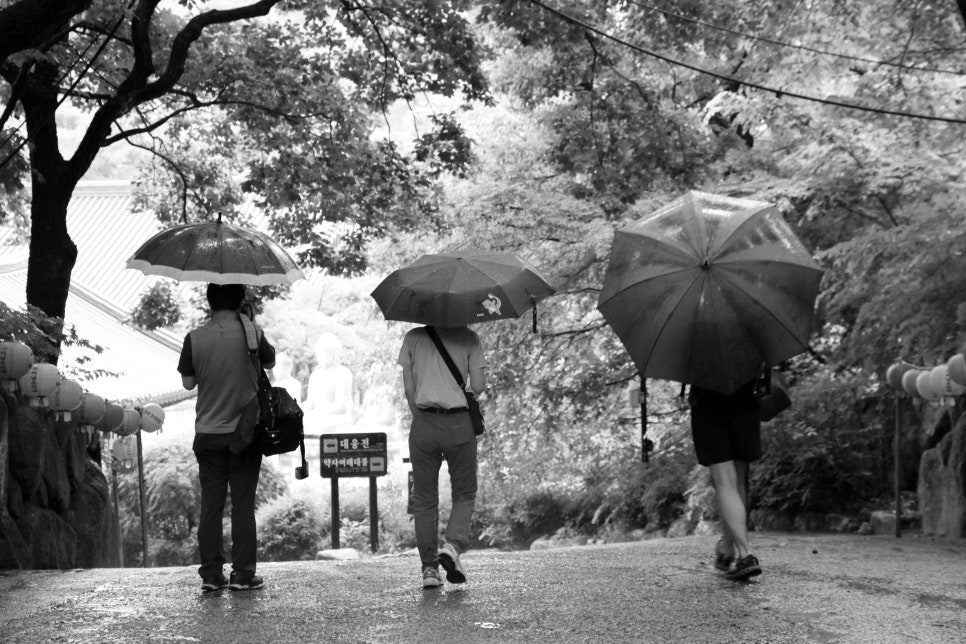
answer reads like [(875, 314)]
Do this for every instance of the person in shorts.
[(726, 430)]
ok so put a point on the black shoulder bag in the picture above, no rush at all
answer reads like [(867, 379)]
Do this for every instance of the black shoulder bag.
[(278, 428), (476, 414)]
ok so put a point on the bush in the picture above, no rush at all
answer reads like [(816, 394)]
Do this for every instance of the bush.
[(290, 529), (825, 453)]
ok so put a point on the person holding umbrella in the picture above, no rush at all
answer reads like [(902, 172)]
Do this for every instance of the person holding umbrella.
[(708, 290), (726, 431), (214, 359), (447, 292)]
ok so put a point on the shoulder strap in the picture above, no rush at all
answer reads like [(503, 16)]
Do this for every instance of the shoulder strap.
[(446, 358)]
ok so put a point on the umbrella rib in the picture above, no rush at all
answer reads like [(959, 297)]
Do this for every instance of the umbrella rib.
[(667, 318), (738, 287)]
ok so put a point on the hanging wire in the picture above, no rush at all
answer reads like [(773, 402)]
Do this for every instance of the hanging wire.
[(737, 81), (870, 61)]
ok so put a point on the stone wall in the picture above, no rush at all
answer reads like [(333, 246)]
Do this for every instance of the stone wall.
[(942, 484), (55, 507)]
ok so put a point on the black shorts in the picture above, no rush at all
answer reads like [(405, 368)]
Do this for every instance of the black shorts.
[(725, 432)]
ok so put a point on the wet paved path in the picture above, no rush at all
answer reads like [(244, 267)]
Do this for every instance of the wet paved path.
[(815, 588)]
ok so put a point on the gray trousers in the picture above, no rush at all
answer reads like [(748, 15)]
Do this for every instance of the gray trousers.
[(433, 438)]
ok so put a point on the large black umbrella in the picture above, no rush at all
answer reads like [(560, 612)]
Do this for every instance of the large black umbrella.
[(216, 252), (708, 289), (460, 288)]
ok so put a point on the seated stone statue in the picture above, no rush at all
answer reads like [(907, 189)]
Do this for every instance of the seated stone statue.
[(282, 376), (328, 403)]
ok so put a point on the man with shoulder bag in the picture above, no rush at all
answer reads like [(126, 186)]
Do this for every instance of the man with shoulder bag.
[(436, 362), (215, 359)]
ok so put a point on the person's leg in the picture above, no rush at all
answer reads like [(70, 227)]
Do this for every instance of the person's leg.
[(426, 459), (731, 507), (213, 473), (462, 463), (243, 482)]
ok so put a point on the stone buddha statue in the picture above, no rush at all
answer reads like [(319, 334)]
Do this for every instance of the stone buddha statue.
[(328, 403)]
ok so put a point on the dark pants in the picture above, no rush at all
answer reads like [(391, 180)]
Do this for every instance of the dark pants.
[(220, 470)]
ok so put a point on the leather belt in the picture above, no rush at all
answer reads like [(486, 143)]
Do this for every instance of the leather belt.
[(441, 410)]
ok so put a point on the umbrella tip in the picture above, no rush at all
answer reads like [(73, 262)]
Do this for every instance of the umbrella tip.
[(219, 216)]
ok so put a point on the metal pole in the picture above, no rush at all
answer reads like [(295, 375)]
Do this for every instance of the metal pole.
[(335, 513), (643, 400), (117, 511), (897, 468), (373, 516), (144, 513)]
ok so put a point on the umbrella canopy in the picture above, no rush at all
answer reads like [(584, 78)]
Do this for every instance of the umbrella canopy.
[(708, 289), (218, 253), (456, 289)]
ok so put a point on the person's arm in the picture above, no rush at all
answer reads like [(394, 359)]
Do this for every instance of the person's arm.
[(476, 364), (185, 366), (478, 380), (409, 386), (266, 352)]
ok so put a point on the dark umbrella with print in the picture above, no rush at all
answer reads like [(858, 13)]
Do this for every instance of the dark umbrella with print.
[(460, 288)]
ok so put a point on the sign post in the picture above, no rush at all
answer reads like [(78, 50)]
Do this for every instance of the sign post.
[(347, 455)]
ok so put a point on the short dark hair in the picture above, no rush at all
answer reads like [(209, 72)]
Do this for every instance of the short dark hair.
[(226, 297)]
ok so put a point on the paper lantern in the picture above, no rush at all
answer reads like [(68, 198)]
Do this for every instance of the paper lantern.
[(942, 384), (125, 453), (152, 417), (924, 386), (39, 382), (65, 398), (957, 369), (112, 418), (16, 359), (909, 382), (131, 422), (90, 410), (894, 374)]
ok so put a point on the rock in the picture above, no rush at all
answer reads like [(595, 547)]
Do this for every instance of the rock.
[(680, 528), (865, 528), (930, 491), (882, 522), (52, 541), (706, 527), (771, 521), (340, 554), (14, 551), (840, 523), (810, 522), (954, 482), (543, 543)]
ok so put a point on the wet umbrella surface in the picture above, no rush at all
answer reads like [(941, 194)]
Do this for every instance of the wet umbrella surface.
[(708, 289)]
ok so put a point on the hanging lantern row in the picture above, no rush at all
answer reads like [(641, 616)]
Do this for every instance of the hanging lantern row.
[(44, 386), (933, 384)]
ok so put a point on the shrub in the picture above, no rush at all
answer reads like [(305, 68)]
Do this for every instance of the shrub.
[(290, 529), (824, 454)]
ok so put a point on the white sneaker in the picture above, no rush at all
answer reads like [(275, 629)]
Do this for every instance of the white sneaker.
[(449, 559), (430, 577)]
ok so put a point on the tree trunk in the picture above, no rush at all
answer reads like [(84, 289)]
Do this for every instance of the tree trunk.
[(52, 252)]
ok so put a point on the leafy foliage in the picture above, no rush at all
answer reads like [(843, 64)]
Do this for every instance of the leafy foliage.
[(289, 529), (173, 504), (157, 308)]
